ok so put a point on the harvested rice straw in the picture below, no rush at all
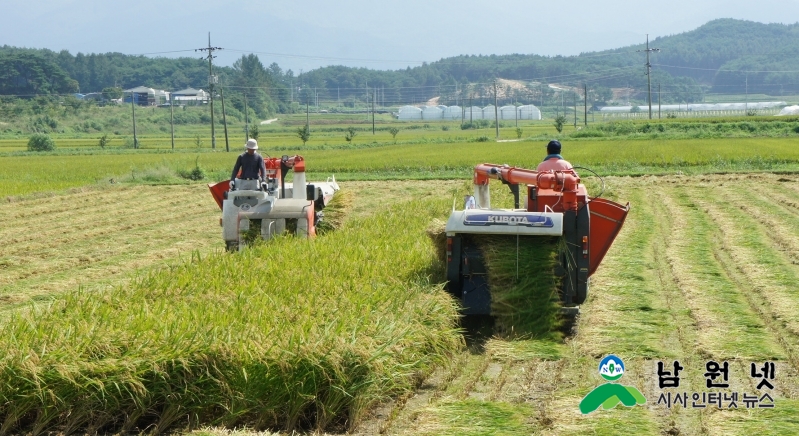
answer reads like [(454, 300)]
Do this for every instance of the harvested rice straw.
[(336, 212), (527, 303)]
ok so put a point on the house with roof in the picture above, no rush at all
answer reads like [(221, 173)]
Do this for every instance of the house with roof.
[(190, 96)]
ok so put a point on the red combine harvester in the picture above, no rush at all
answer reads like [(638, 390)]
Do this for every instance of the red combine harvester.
[(271, 202), (557, 205)]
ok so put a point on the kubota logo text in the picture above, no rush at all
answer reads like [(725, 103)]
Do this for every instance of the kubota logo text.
[(485, 219), (507, 219)]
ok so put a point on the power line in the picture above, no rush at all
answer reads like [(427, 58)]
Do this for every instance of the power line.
[(727, 71), (161, 52)]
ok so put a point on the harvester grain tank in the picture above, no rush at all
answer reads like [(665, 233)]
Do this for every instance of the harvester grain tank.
[(272, 202), (556, 205)]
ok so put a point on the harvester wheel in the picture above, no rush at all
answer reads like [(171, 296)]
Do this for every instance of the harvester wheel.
[(231, 246)]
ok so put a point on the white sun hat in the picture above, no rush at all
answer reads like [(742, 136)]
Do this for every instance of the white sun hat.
[(252, 144)]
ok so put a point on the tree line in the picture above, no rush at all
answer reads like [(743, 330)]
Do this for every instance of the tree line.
[(723, 56)]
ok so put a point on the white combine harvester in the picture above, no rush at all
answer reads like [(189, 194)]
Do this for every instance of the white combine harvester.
[(273, 203), (556, 205)]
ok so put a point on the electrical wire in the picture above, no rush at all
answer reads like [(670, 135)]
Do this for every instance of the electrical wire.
[(727, 71), (602, 191)]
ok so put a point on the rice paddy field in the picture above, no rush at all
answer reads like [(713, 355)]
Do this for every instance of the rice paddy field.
[(120, 312)]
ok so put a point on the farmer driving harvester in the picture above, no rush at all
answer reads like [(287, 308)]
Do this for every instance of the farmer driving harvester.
[(554, 161), (252, 169)]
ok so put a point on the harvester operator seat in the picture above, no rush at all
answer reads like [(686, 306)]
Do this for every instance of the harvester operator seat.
[(247, 184)]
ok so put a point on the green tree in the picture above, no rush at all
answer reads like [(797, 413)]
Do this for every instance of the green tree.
[(103, 141), (304, 133), (111, 93), (560, 120), (393, 132), (351, 132), (254, 132), (40, 142), (519, 132), (30, 73)]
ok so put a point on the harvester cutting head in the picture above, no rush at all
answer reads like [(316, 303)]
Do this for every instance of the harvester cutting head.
[(556, 206), (271, 204)]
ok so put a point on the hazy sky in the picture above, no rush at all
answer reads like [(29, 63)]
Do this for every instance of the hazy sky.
[(305, 34)]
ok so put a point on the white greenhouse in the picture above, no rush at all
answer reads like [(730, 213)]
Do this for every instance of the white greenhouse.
[(453, 113), (488, 112), (789, 110), (507, 113), (432, 113), (410, 113), (529, 112), (473, 113), (699, 107)]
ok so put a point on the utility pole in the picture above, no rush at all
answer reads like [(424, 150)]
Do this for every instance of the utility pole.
[(211, 81), (172, 118), (649, 74), (224, 118), (658, 100), (374, 97), (246, 119), (470, 109), (585, 104), (575, 109), (496, 114), (133, 108)]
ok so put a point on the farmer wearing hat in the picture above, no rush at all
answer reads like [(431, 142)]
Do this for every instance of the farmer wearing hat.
[(554, 161), (252, 168)]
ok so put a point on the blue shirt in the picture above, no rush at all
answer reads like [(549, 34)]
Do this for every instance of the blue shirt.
[(251, 165)]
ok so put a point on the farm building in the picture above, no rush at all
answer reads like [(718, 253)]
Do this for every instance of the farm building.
[(144, 96), (190, 96), (508, 113), (789, 110), (473, 113), (409, 113), (161, 96), (453, 113), (529, 112), (441, 112), (432, 113), (695, 107)]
